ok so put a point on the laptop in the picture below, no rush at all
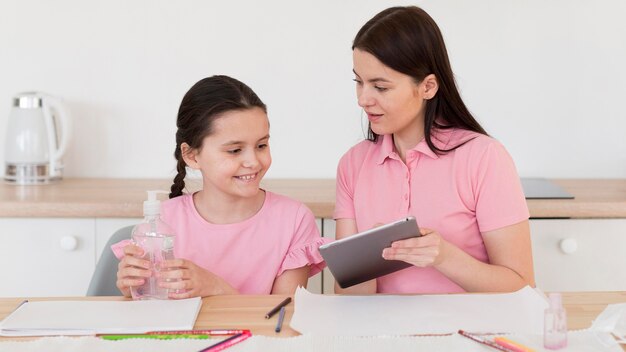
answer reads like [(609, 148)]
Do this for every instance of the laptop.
[(541, 188)]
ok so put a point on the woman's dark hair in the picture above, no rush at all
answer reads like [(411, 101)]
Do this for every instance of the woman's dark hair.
[(206, 101), (409, 41)]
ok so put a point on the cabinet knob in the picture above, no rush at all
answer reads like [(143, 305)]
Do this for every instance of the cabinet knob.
[(568, 245), (68, 243)]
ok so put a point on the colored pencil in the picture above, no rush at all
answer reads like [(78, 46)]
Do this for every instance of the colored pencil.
[(281, 317), (224, 344), (484, 341), (211, 332), (278, 307)]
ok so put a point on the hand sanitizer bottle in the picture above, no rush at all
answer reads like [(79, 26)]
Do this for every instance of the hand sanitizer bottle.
[(156, 238), (555, 324)]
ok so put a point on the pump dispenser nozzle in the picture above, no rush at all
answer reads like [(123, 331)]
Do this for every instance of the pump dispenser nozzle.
[(152, 206)]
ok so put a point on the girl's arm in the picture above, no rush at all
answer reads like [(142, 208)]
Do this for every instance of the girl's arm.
[(510, 264), (346, 228), (289, 280), (192, 280)]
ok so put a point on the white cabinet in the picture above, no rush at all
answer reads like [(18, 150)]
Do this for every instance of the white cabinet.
[(579, 254), (46, 256), (568, 254), (57, 256)]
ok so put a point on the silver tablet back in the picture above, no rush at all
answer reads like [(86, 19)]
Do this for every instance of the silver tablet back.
[(358, 258)]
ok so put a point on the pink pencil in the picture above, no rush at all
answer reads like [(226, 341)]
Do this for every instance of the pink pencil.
[(222, 345), (213, 332)]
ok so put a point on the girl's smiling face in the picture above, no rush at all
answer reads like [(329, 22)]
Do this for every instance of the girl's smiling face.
[(236, 155)]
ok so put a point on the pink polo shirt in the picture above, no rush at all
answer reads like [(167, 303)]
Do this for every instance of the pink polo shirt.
[(461, 194), (249, 254)]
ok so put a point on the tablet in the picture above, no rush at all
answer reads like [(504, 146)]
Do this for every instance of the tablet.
[(359, 258)]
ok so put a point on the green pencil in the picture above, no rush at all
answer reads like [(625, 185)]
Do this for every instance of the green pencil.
[(157, 337)]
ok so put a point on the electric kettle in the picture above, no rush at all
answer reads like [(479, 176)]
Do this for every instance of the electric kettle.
[(36, 139)]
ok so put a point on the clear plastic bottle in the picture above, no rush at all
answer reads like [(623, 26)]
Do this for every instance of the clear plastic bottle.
[(555, 324), (157, 240)]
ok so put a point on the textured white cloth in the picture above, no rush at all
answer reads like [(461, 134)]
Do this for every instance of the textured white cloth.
[(582, 341)]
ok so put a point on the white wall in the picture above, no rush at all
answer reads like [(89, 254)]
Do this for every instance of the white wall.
[(544, 77)]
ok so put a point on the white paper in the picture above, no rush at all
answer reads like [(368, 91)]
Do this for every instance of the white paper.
[(46, 318), (517, 312), (613, 320)]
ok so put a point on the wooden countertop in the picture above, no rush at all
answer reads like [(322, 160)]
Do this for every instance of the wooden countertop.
[(247, 311), (121, 198)]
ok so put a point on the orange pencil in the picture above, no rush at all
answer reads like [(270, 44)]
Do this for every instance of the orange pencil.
[(512, 345)]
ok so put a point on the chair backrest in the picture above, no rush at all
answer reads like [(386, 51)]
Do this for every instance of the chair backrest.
[(105, 276)]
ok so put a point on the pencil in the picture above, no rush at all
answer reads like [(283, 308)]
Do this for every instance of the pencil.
[(212, 332), (224, 344), (484, 341), (277, 308), (155, 337), (281, 317), (512, 345)]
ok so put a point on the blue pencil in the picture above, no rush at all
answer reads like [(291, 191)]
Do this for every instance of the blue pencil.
[(281, 317)]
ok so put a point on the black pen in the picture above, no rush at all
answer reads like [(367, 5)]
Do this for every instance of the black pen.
[(281, 317), (277, 308)]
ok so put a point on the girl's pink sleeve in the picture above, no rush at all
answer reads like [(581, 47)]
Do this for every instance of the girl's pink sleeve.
[(304, 248), (118, 248)]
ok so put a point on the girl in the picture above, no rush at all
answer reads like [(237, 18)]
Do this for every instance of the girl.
[(232, 236), (428, 157)]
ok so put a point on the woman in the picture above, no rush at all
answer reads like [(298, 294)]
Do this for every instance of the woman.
[(428, 157)]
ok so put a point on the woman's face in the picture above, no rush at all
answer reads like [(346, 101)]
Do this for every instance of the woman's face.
[(394, 103)]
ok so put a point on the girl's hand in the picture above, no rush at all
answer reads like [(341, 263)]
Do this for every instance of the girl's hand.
[(185, 279), (427, 250), (132, 270)]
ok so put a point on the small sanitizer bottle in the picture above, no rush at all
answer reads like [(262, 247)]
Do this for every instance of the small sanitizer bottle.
[(555, 324), (156, 238)]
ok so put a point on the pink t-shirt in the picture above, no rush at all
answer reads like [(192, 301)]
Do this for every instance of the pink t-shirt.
[(461, 194), (250, 254)]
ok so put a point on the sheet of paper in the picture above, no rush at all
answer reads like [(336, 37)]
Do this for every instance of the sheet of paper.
[(47, 318), (517, 312), (613, 320)]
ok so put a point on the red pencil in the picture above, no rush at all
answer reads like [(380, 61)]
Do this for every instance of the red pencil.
[(224, 344)]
